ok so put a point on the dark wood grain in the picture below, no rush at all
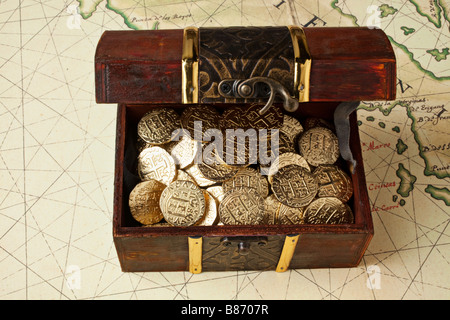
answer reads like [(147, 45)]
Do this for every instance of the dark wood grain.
[(139, 66), (351, 63)]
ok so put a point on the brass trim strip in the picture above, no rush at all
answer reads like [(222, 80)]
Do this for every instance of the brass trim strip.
[(290, 242), (195, 254), (302, 63), (189, 64)]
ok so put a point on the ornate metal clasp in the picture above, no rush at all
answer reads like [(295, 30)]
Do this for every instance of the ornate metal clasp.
[(258, 87)]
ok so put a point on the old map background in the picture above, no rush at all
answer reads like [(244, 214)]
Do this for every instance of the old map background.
[(57, 154)]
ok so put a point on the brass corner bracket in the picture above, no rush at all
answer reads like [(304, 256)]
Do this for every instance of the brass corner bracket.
[(302, 63), (189, 64)]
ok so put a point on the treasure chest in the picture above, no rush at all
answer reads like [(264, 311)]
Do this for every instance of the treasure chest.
[(312, 77)]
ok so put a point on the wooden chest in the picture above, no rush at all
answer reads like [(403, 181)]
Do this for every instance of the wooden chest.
[(318, 67)]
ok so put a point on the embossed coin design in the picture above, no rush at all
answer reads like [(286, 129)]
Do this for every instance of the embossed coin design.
[(312, 122), (206, 115), (328, 211), (156, 163), (319, 146), (242, 206), (292, 128), (157, 126), (144, 202), (198, 176), (285, 159), (231, 118), (333, 182), (183, 151), (182, 203), (217, 192), (271, 209), (215, 170), (294, 186), (183, 175), (248, 177), (290, 215), (211, 215)]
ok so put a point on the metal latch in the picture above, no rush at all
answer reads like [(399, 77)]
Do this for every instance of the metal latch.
[(202, 56), (244, 244), (342, 125), (258, 87)]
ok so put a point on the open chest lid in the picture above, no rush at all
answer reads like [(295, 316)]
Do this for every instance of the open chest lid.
[(298, 67), (245, 64)]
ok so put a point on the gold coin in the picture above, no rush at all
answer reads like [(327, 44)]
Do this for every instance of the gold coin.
[(144, 202), (250, 178), (294, 186), (198, 176), (155, 163), (182, 203), (232, 118), (198, 119), (158, 126), (183, 175), (271, 146), (242, 206), (211, 216), (333, 182), (141, 144), (245, 117), (183, 151), (212, 169), (285, 159), (319, 146), (312, 122), (290, 215), (217, 172), (292, 128), (279, 213), (160, 224), (217, 192), (328, 211), (271, 209)]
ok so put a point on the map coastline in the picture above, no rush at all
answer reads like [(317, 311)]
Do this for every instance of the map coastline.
[(439, 193)]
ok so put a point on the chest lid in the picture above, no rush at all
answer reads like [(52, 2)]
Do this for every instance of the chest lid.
[(245, 64)]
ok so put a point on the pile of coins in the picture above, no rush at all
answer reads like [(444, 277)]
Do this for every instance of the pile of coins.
[(186, 180)]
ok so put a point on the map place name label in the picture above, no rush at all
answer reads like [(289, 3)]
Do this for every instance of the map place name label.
[(384, 207), (376, 186), (373, 146), (165, 17)]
